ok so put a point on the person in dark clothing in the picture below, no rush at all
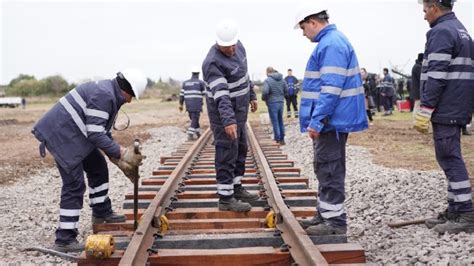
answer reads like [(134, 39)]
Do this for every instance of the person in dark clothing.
[(292, 97), (191, 94), (415, 81), (228, 96), (387, 92), (447, 98), (275, 89), (76, 131), (366, 84)]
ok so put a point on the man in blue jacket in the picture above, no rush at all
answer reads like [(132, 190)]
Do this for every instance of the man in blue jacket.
[(228, 99), (447, 99), (191, 94), (387, 92), (292, 98), (76, 131), (332, 106)]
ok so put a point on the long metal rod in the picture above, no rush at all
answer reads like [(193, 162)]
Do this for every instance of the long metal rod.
[(302, 249), (137, 250)]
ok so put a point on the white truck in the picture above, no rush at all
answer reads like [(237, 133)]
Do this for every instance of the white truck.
[(10, 101)]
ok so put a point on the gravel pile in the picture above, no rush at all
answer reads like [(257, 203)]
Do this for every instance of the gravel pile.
[(376, 195), (29, 208)]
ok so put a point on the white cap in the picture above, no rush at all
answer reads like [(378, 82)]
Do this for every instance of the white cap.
[(227, 33), (196, 69), (137, 80), (306, 11)]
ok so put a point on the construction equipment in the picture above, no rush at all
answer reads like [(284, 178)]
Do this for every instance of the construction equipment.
[(136, 150)]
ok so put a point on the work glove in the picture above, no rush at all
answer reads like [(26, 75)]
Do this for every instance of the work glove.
[(180, 108), (422, 119), (129, 163)]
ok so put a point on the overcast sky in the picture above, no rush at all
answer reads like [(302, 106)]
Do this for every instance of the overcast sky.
[(166, 38)]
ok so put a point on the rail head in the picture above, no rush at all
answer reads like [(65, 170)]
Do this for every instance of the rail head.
[(137, 250), (302, 249)]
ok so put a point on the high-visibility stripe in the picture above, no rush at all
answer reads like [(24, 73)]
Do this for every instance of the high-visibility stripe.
[(331, 207), (237, 180), (225, 186), (95, 128), (75, 117), (225, 192), (99, 188), (219, 94), (238, 82), (345, 93), (459, 197), (439, 57), (312, 74), (68, 225), (193, 97), (239, 93), (98, 199), (446, 75), (340, 71), (331, 214), (192, 91), (87, 111), (459, 185), (69, 213), (455, 61), (331, 90), (217, 82)]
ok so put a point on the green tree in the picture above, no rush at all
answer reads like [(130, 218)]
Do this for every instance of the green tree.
[(20, 78)]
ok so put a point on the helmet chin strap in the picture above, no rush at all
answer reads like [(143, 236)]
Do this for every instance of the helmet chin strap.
[(127, 124)]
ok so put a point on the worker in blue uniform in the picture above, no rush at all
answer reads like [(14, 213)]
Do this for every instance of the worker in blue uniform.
[(332, 106), (76, 131), (191, 94), (228, 96), (447, 99)]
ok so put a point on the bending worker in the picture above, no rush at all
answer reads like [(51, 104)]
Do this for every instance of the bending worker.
[(228, 98), (191, 94), (75, 131)]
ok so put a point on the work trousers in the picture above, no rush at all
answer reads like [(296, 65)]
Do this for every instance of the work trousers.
[(194, 126), (292, 100), (72, 194), (330, 169), (447, 141), (230, 159)]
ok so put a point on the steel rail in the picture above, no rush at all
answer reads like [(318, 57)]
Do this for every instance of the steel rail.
[(143, 238), (301, 248)]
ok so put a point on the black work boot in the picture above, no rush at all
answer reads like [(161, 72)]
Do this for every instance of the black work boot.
[(231, 204), (463, 222), (198, 134), (190, 137), (317, 219), (112, 218), (441, 219), (324, 229), (74, 246), (240, 193)]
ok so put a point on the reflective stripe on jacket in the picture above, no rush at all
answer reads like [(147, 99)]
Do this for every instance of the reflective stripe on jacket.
[(80, 122), (332, 96)]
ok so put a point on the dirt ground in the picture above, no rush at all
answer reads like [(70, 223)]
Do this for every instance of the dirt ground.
[(391, 140)]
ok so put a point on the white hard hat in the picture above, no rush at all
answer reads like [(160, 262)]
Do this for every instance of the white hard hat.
[(306, 11), (196, 69), (227, 33), (137, 80)]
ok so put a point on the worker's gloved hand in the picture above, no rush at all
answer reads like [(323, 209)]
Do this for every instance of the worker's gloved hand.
[(180, 108), (422, 119), (132, 158), (129, 162)]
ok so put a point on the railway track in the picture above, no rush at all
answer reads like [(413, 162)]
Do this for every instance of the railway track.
[(181, 225)]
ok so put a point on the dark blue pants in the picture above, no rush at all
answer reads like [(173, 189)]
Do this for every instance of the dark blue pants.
[(292, 100), (275, 110), (230, 159), (72, 194), (387, 103), (194, 126), (330, 169), (447, 141)]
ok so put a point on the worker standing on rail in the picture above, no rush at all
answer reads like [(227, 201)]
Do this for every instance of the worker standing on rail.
[(332, 105), (191, 94), (447, 99), (75, 131), (228, 99)]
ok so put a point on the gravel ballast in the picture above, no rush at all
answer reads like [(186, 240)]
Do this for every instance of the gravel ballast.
[(375, 196)]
